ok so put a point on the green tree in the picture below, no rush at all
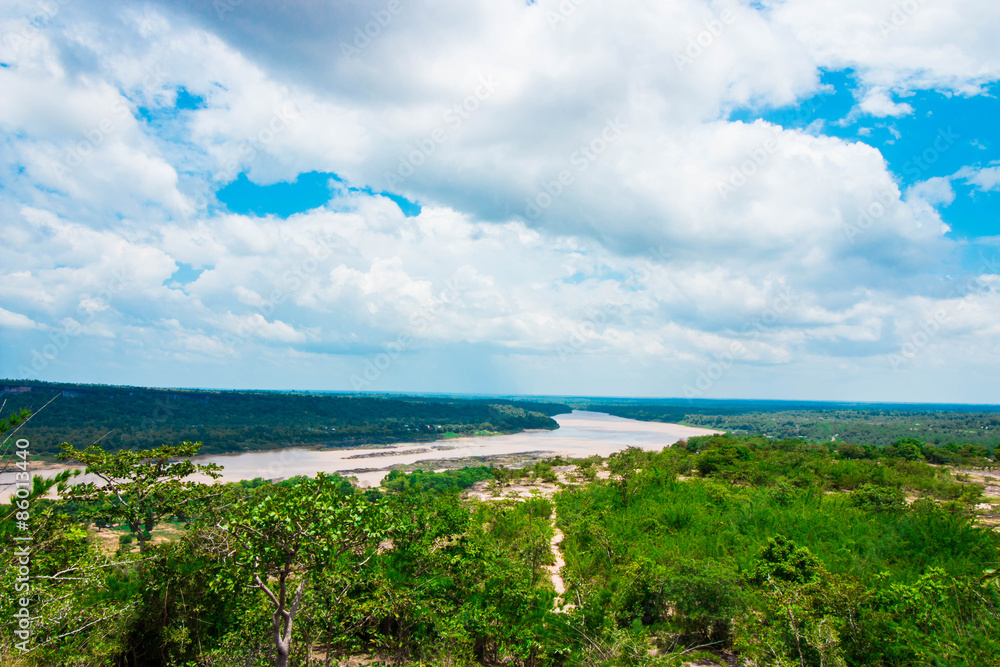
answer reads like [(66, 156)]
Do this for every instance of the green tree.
[(280, 535), (783, 560), (502, 476), (139, 488), (907, 448), (873, 498), (624, 465)]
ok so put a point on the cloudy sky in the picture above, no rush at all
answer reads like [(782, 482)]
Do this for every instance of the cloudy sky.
[(775, 199)]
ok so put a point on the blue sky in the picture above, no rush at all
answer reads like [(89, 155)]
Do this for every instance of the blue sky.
[(307, 192), (969, 125), (786, 199), (907, 142)]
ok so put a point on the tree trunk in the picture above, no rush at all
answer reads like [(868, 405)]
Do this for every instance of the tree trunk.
[(282, 659), (282, 618), (282, 636), (136, 529)]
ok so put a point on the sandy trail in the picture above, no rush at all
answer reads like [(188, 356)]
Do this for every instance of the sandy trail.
[(559, 606), (556, 569), (485, 492)]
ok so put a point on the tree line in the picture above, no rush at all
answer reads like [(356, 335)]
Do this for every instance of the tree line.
[(236, 421), (947, 426)]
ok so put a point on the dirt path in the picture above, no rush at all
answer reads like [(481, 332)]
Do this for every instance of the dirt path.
[(556, 569), (990, 479), (484, 491)]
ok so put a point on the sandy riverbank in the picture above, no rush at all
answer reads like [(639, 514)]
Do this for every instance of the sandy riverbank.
[(580, 434)]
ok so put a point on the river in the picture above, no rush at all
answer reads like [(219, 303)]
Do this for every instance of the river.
[(580, 434)]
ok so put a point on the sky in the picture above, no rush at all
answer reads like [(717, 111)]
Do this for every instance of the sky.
[(782, 199)]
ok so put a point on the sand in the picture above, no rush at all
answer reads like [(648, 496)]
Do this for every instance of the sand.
[(580, 434)]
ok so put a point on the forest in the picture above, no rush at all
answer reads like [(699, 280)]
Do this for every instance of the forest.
[(239, 421), (724, 550), (865, 424)]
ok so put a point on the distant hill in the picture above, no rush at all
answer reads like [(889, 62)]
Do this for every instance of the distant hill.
[(860, 423), (235, 421)]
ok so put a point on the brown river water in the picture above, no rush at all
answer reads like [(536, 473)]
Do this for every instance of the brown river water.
[(580, 434)]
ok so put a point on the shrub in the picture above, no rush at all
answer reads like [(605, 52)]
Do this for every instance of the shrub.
[(782, 559), (871, 498)]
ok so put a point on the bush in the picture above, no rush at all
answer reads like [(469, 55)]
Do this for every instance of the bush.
[(784, 560), (849, 450), (704, 597), (871, 498), (906, 448)]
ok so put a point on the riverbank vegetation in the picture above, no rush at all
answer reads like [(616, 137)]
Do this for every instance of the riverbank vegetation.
[(241, 421), (947, 426), (739, 550)]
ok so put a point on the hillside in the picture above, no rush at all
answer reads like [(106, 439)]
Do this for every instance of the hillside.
[(236, 421), (722, 550)]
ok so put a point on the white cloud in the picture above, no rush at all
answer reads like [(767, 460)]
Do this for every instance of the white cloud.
[(877, 102), (16, 320), (713, 220), (900, 46), (934, 191), (985, 178)]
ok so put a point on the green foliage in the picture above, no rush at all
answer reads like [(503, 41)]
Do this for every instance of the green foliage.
[(782, 560), (906, 448), (873, 498), (786, 552), (435, 482), (236, 421), (10, 421), (274, 539), (765, 552), (849, 450), (138, 489)]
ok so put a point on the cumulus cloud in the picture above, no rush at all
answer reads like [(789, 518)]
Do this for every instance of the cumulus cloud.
[(586, 202), (877, 102), (902, 46), (16, 320), (985, 178)]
